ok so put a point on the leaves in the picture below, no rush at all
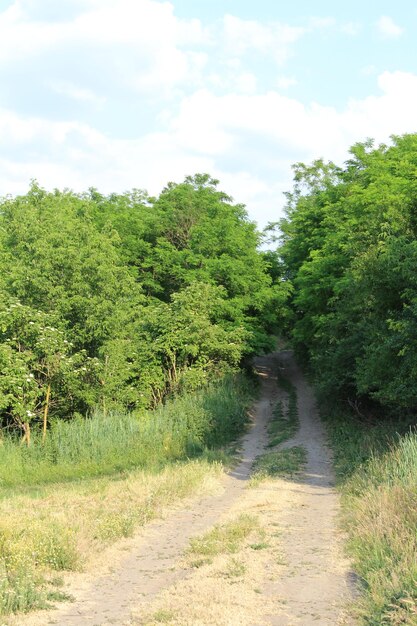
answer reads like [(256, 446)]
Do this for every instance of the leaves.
[(349, 246), (119, 300)]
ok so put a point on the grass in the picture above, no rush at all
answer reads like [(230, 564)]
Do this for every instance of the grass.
[(284, 423), (68, 525), (113, 443), (377, 474), (286, 462), (221, 539), (98, 480), (163, 617), (283, 426)]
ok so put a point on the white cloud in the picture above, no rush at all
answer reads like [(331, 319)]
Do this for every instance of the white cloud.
[(248, 141), (322, 22), (205, 100), (388, 28), (273, 39), (76, 92), (284, 82), (141, 40)]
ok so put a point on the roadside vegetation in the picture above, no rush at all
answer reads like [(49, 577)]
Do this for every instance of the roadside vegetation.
[(348, 246), (377, 469), (183, 427)]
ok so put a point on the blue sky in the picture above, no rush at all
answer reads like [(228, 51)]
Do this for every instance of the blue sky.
[(118, 94)]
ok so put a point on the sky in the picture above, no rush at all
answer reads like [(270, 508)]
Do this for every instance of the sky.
[(122, 94)]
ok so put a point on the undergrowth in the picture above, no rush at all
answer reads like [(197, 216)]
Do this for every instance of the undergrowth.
[(112, 443), (376, 467)]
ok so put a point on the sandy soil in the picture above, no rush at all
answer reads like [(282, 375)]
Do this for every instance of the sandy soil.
[(300, 578)]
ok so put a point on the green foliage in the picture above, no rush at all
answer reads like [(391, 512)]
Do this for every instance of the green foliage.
[(34, 354), (118, 301), (349, 247), (105, 444)]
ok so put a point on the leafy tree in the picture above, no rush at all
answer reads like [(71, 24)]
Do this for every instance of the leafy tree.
[(349, 247)]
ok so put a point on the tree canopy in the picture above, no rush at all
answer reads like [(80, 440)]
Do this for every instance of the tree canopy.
[(119, 300), (349, 246)]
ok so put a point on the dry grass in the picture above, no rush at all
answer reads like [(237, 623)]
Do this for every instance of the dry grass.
[(239, 559), (377, 471), (63, 527)]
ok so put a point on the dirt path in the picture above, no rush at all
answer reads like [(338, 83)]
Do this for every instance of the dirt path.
[(300, 580)]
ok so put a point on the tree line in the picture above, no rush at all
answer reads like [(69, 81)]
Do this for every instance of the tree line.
[(349, 248), (115, 301)]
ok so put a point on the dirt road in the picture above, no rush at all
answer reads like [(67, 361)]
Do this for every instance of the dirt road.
[(294, 576)]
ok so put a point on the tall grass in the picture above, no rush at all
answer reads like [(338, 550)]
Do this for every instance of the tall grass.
[(377, 472), (103, 444)]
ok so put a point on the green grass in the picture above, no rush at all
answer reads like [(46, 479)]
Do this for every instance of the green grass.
[(284, 423), (283, 426), (113, 443), (287, 462), (221, 539), (377, 473)]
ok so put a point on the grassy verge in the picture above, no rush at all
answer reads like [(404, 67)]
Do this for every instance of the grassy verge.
[(377, 473), (131, 467)]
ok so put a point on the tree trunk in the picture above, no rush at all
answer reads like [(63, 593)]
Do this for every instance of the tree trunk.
[(45, 413), (26, 436)]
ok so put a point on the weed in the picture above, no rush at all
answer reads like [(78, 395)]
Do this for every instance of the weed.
[(163, 616), (59, 596), (234, 569), (225, 538), (287, 462), (259, 546)]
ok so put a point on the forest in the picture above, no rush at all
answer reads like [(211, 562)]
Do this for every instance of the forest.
[(119, 301)]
